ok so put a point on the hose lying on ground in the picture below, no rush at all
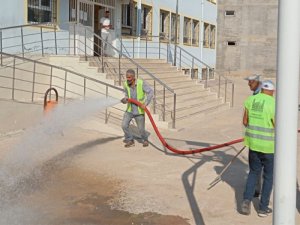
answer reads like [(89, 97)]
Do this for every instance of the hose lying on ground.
[(177, 151)]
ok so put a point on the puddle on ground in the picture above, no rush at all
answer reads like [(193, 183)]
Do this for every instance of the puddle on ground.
[(75, 197)]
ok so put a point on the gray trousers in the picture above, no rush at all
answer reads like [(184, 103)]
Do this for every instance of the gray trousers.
[(140, 121)]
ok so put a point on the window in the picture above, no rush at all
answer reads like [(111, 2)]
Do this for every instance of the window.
[(173, 27), (127, 19), (164, 28), (146, 21), (229, 13), (212, 36), (231, 43), (42, 11), (209, 36), (187, 31), (195, 32), (126, 15), (206, 34)]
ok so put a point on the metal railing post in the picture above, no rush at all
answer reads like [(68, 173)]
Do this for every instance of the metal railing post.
[(180, 58), (193, 70), (102, 56), (146, 47), (174, 112), (120, 78), (55, 39), (74, 39), (51, 75), (159, 46), (65, 88), (133, 48), (106, 110), (33, 81), (167, 52), (219, 88), (137, 72), (121, 45), (207, 74), (84, 88), (225, 98), (85, 45), (14, 77), (42, 41), (164, 104), (232, 95), (22, 41), (1, 47)]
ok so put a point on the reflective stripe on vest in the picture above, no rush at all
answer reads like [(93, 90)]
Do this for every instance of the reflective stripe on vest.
[(140, 95)]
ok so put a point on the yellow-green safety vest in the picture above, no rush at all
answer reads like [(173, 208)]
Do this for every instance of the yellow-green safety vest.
[(140, 95), (259, 133)]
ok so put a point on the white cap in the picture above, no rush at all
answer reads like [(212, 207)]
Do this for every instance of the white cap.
[(254, 77), (268, 85)]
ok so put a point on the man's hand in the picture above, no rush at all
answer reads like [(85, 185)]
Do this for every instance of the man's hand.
[(124, 100), (143, 106)]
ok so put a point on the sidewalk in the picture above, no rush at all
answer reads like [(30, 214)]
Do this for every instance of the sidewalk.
[(90, 178)]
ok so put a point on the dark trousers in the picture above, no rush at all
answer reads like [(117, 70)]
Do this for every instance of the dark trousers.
[(258, 163)]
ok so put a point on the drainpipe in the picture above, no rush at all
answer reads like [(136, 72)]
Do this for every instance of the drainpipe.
[(285, 170), (139, 26)]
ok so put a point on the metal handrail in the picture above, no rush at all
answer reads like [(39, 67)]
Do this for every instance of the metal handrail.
[(51, 75), (76, 38), (131, 60), (192, 61), (45, 25), (61, 68)]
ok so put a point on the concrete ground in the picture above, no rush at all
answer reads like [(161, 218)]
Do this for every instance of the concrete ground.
[(84, 175)]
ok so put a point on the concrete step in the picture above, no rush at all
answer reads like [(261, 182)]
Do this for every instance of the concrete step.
[(192, 110), (207, 114)]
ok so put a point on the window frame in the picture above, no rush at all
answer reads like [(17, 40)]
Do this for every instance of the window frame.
[(164, 26), (172, 33), (197, 34), (33, 8), (187, 30)]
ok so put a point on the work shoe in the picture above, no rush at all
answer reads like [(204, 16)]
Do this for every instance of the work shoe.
[(264, 213), (246, 207), (145, 144), (129, 144)]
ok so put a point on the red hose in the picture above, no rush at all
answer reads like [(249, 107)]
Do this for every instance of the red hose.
[(182, 152)]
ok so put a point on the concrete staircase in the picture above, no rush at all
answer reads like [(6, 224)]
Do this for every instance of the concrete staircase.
[(192, 98), (77, 64)]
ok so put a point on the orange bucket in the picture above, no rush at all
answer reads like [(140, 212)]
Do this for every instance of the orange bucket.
[(50, 104)]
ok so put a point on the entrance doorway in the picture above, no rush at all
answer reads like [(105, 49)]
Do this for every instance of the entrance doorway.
[(97, 41)]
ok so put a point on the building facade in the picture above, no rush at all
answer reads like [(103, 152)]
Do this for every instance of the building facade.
[(247, 37), (196, 23)]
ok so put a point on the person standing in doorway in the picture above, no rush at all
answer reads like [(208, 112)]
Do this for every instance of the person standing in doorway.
[(254, 84), (105, 27), (259, 121), (139, 90)]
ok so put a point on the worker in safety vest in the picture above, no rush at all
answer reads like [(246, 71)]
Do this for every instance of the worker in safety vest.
[(259, 117), (254, 83), (139, 90)]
